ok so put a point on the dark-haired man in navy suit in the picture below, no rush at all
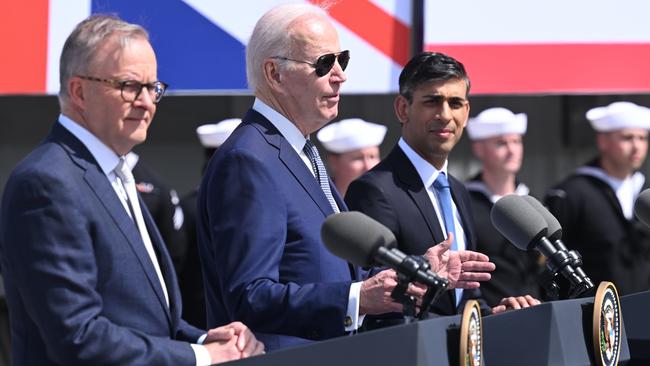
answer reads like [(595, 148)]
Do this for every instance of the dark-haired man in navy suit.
[(411, 191), (87, 275)]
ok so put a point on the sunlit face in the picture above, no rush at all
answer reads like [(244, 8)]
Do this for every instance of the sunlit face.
[(308, 100), (624, 149), (434, 121), (350, 165), (501, 154), (119, 124)]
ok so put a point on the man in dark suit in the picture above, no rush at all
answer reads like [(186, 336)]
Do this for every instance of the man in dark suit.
[(266, 194), (411, 192), (87, 275)]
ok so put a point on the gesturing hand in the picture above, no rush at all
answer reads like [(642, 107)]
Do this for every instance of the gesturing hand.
[(463, 269)]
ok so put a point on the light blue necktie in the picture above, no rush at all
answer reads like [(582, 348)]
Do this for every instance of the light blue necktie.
[(443, 192), (320, 172)]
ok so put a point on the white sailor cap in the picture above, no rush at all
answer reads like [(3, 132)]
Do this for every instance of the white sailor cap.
[(351, 134), (619, 115), (213, 135), (496, 121)]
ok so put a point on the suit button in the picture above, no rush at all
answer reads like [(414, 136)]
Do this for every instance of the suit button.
[(347, 322)]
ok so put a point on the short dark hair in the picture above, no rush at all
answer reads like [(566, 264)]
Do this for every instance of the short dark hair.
[(430, 66)]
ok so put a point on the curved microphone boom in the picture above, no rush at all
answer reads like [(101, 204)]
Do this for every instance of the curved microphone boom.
[(524, 227), (363, 241), (555, 236)]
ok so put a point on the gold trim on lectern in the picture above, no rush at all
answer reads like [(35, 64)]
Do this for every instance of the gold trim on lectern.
[(606, 325), (471, 335)]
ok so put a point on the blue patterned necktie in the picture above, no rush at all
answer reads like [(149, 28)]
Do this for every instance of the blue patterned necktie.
[(443, 192), (320, 172)]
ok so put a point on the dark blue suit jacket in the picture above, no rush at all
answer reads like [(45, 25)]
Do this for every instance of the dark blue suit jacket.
[(260, 212), (393, 194), (80, 286)]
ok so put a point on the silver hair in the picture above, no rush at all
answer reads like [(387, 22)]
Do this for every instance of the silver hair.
[(271, 37), (88, 36)]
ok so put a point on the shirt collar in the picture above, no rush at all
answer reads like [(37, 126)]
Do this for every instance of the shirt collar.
[(427, 172), (288, 130), (636, 180), (104, 155)]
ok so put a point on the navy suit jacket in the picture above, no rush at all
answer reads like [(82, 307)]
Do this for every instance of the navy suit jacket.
[(80, 286), (393, 194), (260, 212)]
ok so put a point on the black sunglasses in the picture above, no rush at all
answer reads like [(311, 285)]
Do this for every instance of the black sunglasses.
[(324, 63)]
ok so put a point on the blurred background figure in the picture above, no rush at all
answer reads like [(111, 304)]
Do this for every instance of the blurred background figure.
[(211, 136), (595, 204), (164, 204), (353, 149), (497, 142)]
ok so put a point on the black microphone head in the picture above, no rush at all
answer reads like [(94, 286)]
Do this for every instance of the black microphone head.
[(515, 219), (355, 237), (642, 207), (554, 229)]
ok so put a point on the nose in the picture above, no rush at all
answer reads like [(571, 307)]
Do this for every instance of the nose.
[(144, 100), (337, 74), (444, 112)]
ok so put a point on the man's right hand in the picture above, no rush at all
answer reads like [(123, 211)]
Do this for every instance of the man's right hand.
[(374, 297), (232, 342)]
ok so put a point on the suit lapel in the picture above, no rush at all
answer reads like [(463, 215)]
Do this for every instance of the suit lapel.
[(407, 174), (165, 262), (98, 183), (464, 210), (293, 162)]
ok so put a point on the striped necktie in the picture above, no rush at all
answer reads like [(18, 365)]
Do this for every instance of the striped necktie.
[(320, 172)]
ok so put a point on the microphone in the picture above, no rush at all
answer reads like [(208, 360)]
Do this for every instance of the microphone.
[(363, 241), (555, 236), (524, 227), (642, 207)]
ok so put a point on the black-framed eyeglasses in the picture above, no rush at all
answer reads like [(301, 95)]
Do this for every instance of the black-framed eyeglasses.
[(324, 63), (131, 89)]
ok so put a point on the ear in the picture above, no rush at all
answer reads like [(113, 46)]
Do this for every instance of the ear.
[(76, 92), (401, 106), (467, 108), (272, 75)]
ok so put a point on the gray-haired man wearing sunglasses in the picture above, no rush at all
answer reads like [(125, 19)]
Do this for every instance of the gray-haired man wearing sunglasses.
[(266, 194)]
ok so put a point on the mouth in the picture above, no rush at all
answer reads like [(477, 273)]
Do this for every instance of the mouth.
[(138, 120), (332, 98), (444, 133)]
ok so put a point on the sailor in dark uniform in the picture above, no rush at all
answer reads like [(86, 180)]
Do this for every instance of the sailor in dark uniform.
[(190, 278), (496, 135), (595, 204)]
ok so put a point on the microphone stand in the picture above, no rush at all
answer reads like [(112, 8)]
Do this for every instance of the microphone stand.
[(579, 283), (406, 273)]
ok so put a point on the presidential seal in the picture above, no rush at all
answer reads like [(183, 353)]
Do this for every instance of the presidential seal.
[(607, 325), (471, 335)]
